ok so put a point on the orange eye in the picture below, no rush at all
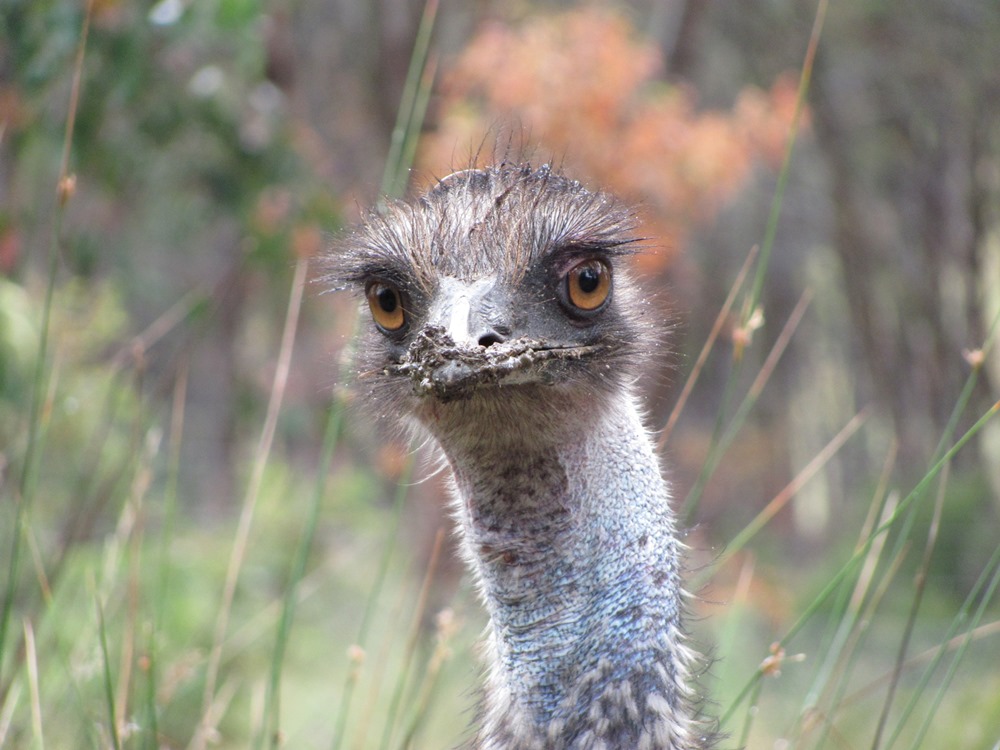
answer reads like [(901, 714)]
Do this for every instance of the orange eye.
[(386, 305), (588, 284)]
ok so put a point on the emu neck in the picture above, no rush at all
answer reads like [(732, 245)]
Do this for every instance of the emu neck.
[(568, 530)]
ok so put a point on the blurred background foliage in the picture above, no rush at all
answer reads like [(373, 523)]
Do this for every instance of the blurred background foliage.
[(217, 142)]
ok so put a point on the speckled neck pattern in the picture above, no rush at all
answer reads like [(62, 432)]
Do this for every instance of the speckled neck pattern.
[(573, 546)]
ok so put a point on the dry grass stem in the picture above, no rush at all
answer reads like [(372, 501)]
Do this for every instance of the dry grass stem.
[(787, 493), (699, 364), (412, 638), (207, 726), (31, 664)]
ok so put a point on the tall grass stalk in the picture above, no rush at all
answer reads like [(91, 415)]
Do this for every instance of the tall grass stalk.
[(177, 414), (148, 720), (38, 386), (854, 561), (723, 435), (920, 585), (7, 712), (238, 552), (950, 674), (161, 589), (723, 438), (31, 664), (848, 655), (692, 500), (130, 535), (976, 360), (706, 349), (751, 713), (358, 649), (771, 230), (409, 652), (42, 578), (109, 690), (752, 316), (410, 116), (962, 403), (446, 628), (911, 620), (839, 657), (787, 493), (270, 733), (423, 98), (982, 591), (412, 107)]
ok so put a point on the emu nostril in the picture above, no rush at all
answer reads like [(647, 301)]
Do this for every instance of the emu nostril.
[(489, 339)]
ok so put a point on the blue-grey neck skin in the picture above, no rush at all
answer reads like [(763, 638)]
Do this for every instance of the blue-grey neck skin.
[(565, 521)]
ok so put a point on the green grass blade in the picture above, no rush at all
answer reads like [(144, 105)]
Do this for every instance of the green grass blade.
[(411, 643), (771, 229), (446, 628), (834, 583), (410, 115), (751, 713), (706, 349), (959, 408), (272, 704), (771, 509), (413, 129), (64, 190), (721, 441), (717, 446), (250, 498), (859, 636), (374, 595), (994, 565), (162, 585), (109, 691), (150, 724), (842, 654), (918, 595)]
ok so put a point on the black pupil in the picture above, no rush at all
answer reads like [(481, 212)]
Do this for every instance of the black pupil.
[(589, 279), (387, 300)]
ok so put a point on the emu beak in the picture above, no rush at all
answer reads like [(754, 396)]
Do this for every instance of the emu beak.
[(474, 314), (458, 320)]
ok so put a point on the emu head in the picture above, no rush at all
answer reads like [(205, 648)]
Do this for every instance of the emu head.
[(499, 286)]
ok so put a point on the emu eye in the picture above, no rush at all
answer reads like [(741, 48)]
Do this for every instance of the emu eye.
[(386, 305), (588, 284)]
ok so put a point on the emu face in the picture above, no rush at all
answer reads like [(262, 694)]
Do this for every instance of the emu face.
[(496, 278)]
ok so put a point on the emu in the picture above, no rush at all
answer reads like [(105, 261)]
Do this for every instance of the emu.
[(505, 324)]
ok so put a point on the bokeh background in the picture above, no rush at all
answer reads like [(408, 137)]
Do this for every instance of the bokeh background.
[(218, 146)]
